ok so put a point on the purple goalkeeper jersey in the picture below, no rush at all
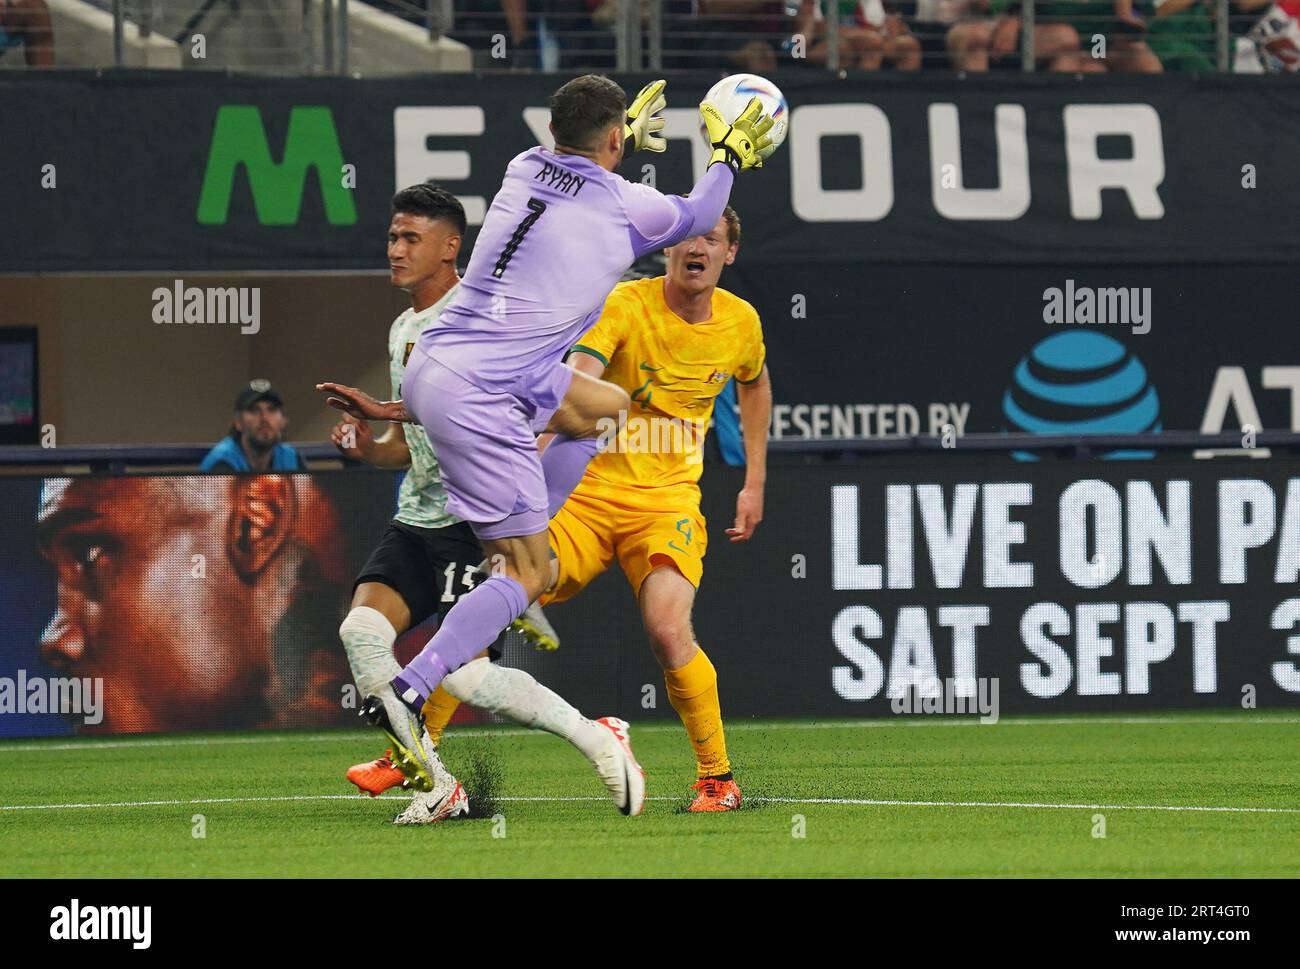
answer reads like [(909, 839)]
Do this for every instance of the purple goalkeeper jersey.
[(559, 234)]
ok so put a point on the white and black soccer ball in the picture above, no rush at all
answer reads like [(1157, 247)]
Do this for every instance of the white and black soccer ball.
[(732, 95)]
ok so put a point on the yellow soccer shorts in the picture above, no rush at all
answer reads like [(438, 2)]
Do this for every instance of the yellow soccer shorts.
[(598, 525)]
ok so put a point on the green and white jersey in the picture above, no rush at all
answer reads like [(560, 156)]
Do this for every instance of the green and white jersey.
[(422, 500)]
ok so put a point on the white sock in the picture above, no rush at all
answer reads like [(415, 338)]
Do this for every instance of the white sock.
[(516, 695), (368, 638)]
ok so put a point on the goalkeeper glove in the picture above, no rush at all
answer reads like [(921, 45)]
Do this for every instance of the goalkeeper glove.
[(743, 143), (643, 123)]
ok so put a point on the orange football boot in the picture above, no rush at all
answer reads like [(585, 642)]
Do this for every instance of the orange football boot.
[(377, 776), (715, 795)]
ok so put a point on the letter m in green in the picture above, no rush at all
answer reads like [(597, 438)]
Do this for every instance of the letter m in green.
[(239, 138)]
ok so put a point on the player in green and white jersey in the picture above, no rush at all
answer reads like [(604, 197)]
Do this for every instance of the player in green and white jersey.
[(427, 557)]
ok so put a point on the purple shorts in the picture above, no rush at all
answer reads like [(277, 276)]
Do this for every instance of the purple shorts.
[(486, 443)]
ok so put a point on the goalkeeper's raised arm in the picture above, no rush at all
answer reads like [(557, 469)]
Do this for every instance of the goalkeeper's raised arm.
[(660, 220)]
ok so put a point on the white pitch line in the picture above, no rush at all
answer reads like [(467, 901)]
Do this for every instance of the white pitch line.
[(946, 721), (1025, 804), (266, 800), (849, 801), (732, 727)]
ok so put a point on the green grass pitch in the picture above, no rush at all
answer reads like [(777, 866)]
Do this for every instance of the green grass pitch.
[(1020, 798)]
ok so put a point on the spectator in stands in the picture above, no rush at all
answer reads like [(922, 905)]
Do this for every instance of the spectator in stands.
[(1181, 34), (26, 23), (255, 441), (480, 23), (1273, 29), (1110, 27), (747, 32), (689, 39), (521, 19), (954, 32), (961, 33), (870, 35), (1129, 52), (1056, 43)]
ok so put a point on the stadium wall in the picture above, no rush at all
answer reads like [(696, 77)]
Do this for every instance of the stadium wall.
[(111, 374), (887, 352)]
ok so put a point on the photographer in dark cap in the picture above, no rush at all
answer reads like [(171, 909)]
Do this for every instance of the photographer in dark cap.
[(255, 441)]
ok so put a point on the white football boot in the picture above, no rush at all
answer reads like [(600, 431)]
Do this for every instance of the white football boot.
[(618, 769), (429, 807)]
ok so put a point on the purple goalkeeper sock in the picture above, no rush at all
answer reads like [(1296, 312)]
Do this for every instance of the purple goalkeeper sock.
[(563, 463), (471, 625)]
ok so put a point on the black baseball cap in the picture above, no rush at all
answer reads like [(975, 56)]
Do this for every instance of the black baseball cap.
[(256, 390)]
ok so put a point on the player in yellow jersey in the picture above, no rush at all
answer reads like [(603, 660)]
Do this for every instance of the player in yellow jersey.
[(672, 342)]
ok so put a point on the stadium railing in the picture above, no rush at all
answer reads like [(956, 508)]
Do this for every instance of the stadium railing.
[(265, 36), (356, 37), (119, 459)]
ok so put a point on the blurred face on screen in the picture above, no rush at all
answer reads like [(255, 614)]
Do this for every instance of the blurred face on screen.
[(695, 264), (170, 590)]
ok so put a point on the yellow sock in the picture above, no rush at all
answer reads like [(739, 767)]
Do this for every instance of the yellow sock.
[(693, 692), (437, 712)]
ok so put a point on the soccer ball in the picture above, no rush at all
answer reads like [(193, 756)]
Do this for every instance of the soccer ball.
[(732, 94)]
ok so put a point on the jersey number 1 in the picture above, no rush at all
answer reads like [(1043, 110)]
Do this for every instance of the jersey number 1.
[(535, 209)]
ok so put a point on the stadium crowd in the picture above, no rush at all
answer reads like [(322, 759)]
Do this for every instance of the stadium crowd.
[(25, 24), (762, 36), (1125, 36)]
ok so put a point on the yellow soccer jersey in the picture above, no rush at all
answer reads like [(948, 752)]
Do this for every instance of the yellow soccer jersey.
[(673, 371)]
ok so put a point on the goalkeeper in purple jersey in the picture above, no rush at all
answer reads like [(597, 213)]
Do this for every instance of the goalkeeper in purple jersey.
[(488, 377)]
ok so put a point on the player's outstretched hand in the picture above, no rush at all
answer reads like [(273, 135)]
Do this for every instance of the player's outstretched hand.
[(749, 512), (740, 144), (361, 405), (644, 122), (353, 438)]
